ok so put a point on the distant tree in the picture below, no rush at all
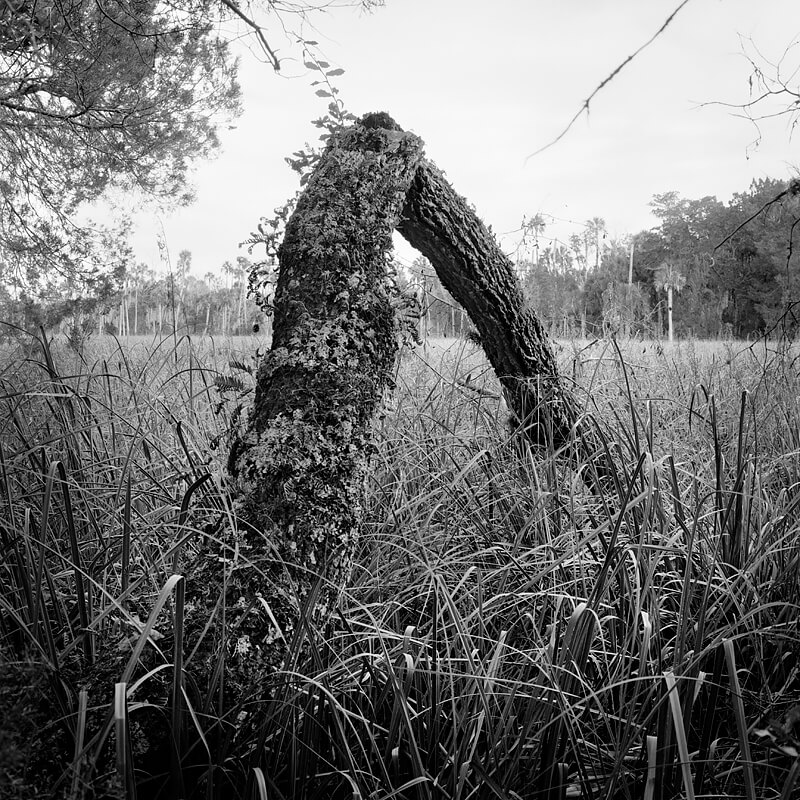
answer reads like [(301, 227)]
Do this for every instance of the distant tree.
[(180, 278), (579, 247), (553, 292), (669, 278), (532, 229), (136, 277), (441, 316), (738, 258), (688, 234), (74, 306), (625, 309), (212, 282), (763, 264), (595, 233), (610, 302), (557, 257)]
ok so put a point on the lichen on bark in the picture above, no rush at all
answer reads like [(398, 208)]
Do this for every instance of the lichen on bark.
[(301, 466)]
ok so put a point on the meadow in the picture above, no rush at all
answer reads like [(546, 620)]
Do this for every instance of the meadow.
[(506, 632)]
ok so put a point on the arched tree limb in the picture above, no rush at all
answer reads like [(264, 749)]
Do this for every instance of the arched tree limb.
[(301, 466), (441, 225)]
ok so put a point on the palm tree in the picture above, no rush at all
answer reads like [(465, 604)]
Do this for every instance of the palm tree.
[(595, 230), (669, 278), (535, 226)]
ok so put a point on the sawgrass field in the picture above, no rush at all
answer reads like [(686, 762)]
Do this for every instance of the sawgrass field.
[(506, 632)]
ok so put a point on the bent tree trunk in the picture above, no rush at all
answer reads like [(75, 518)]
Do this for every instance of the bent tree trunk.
[(304, 462), (301, 467), (470, 265)]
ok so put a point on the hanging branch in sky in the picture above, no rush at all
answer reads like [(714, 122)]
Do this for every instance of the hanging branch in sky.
[(585, 106), (774, 89)]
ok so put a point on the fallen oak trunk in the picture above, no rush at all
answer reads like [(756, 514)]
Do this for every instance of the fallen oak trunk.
[(301, 467)]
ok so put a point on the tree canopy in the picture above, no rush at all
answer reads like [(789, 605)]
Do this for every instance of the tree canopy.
[(735, 265), (102, 94)]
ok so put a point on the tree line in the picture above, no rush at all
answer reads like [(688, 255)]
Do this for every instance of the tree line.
[(701, 272), (136, 300), (724, 280)]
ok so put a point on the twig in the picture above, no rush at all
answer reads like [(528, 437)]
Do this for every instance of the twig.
[(480, 391), (585, 106), (258, 30)]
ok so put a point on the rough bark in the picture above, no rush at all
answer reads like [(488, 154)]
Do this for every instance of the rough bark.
[(440, 224), (300, 469)]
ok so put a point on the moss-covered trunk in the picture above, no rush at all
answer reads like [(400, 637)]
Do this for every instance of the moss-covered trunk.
[(300, 469)]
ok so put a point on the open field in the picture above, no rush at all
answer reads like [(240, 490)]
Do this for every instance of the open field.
[(506, 633)]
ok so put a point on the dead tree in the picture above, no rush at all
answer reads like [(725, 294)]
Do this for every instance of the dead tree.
[(303, 464), (300, 469)]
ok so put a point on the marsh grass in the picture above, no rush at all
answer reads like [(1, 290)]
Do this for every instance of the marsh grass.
[(506, 633)]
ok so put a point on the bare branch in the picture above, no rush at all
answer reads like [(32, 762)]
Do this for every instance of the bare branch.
[(602, 84), (257, 29), (769, 82)]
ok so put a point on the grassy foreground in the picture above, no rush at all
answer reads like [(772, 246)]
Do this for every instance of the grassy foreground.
[(505, 634)]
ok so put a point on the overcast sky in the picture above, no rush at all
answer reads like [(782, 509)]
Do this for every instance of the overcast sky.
[(485, 84)]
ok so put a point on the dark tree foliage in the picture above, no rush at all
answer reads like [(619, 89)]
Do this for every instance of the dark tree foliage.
[(738, 265), (738, 281)]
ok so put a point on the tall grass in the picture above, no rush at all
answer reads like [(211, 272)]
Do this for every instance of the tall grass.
[(505, 633)]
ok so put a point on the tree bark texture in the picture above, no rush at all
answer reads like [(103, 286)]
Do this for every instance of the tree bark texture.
[(440, 224), (301, 467)]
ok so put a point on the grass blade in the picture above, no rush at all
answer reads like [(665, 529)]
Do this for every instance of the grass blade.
[(680, 734), (741, 722), (125, 780), (75, 552), (126, 537), (651, 743), (80, 735), (261, 784), (144, 636), (176, 690)]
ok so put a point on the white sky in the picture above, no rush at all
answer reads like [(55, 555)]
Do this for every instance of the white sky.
[(487, 82)]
